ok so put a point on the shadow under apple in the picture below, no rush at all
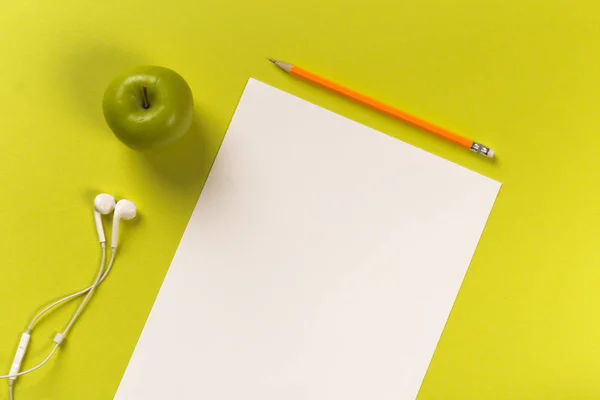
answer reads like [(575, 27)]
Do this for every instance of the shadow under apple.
[(185, 162)]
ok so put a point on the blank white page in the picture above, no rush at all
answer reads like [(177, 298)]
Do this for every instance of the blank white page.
[(321, 262)]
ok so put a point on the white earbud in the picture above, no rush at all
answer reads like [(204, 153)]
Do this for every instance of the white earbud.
[(124, 210), (104, 204)]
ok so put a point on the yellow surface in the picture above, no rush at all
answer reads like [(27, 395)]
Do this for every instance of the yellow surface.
[(522, 76)]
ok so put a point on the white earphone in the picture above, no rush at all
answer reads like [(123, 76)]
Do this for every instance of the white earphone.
[(104, 204), (124, 210)]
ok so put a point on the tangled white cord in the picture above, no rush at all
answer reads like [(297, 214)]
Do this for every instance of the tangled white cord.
[(60, 337), (39, 316), (104, 204)]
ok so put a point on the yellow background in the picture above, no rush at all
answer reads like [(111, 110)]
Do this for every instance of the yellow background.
[(522, 76)]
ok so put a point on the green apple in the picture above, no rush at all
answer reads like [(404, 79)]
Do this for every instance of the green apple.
[(148, 107)]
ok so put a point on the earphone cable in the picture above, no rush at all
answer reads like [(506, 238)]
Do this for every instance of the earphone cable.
[(30, 370), (60, 337), (68, 298), (90, 293), (103, 205)]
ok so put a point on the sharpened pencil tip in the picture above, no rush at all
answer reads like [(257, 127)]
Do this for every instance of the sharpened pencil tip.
[(281, 65)]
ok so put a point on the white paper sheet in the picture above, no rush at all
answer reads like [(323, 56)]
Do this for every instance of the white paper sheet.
[(321, 262)]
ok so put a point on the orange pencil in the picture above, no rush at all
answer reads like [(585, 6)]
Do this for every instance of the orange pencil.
[(385, 109)]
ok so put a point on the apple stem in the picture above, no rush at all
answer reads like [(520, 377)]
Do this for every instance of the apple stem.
[(146, 104)]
